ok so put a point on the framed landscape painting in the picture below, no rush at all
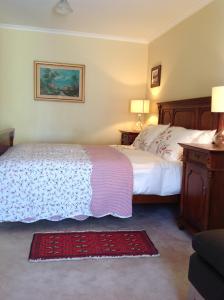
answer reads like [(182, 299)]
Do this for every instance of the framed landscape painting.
[(59, 82)]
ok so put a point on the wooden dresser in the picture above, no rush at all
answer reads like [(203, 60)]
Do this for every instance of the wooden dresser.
[(202, 197)]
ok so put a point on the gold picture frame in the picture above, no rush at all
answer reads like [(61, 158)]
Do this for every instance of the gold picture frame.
[(59, 82)]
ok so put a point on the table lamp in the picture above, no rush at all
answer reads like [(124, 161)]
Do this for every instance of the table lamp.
[(139, 107), (218, 107)]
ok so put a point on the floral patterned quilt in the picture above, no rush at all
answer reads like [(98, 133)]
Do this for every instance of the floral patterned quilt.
[(48, 181)]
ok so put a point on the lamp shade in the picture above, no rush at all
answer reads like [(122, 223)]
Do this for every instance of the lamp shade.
[(218, 99), (140, 106)]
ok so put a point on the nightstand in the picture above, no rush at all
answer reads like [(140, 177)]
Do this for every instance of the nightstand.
[(202, 194), (128, 137)]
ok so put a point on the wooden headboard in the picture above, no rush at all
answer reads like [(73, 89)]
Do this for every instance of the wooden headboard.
[(190, 113), (6, 139)]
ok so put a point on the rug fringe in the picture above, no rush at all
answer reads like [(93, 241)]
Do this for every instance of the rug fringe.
[(92, 257), (126, 230)]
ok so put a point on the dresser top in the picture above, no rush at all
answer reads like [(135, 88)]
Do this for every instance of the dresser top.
[(129, 131), (202, 147)]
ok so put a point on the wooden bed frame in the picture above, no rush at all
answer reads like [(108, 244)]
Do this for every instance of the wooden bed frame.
[(189, 113)]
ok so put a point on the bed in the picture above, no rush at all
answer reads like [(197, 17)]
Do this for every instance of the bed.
[(191, 114)]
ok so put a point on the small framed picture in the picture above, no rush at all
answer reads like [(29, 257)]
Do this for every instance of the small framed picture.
[(59, 82), (155, 76)]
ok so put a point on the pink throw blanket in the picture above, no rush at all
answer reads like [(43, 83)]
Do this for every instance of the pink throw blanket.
[(112, 182)]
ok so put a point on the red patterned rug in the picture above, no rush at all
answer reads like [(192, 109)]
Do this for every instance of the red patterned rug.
[(90, 244)]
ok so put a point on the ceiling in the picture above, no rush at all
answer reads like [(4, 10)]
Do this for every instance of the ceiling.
[(131, 20)]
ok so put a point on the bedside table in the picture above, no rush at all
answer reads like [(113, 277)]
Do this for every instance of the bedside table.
[(202, 194), (128, 137)]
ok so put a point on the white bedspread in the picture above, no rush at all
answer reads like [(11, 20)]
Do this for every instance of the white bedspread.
[(152, 174)]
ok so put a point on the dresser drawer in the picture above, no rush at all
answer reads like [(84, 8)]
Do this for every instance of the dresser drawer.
[(198, 157)]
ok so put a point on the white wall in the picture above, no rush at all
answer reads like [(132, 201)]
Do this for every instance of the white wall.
[(115, 73), (191, 55)]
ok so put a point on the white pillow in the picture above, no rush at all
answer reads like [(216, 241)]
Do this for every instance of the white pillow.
[(147, 136), (166, 144), (206, 137)]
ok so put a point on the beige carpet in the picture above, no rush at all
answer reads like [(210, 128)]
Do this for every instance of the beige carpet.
[(154, 278)]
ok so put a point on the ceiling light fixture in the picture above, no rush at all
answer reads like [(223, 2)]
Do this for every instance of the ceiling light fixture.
[(63, 8)]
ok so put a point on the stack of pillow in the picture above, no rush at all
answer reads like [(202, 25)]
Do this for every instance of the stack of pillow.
[(163, 140)]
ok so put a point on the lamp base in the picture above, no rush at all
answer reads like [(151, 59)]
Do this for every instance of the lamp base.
[(138, 124), (219, 139)]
